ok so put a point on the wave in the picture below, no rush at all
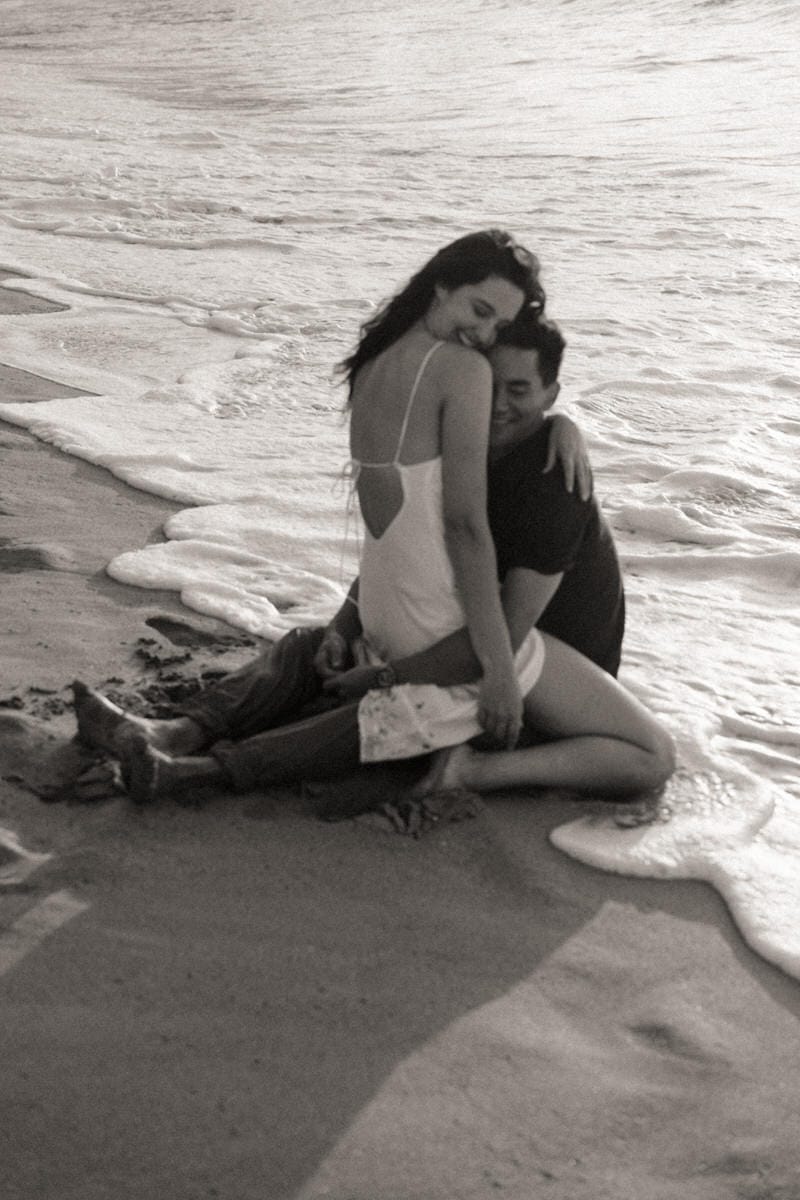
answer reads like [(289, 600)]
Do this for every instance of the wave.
[(782, 567), (671, 524), (760, 731), (101, 233)]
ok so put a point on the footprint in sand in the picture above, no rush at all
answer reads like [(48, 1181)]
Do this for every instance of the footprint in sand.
[(16, 559), (182, 633), (52, 765)]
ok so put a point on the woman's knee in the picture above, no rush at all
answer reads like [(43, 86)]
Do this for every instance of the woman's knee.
[(662, 758)]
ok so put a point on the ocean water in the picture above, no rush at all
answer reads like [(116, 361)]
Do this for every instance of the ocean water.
[(219, 193)]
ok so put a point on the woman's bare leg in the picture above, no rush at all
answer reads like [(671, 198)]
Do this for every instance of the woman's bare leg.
[(604, 739)]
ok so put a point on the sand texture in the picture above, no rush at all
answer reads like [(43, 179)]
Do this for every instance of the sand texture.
[(240, 1000)]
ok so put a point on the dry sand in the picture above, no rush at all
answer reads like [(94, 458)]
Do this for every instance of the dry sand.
[(257, 1005)]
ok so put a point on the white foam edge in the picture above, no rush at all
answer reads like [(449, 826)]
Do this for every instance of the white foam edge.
[(754, 864)]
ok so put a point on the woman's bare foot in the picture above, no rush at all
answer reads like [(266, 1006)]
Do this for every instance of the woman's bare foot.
[(450, 771), (105, 725), (149, 774)]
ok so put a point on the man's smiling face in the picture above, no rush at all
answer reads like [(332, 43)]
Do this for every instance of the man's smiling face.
[(520, 399)]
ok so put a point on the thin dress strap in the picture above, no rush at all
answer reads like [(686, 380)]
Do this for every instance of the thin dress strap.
[(352, 469), (356, 464), (412, 398)]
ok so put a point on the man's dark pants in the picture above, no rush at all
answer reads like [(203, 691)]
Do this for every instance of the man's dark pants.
[(271, 722)]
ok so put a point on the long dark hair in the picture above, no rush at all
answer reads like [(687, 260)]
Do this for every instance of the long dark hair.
[(470, 259)]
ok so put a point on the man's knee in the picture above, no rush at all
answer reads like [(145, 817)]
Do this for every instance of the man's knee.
[(296, 649)]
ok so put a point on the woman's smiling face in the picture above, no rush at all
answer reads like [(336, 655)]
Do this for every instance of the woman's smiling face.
[(473, 313)]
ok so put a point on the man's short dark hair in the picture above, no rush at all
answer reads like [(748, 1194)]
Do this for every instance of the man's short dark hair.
[(529, 331)]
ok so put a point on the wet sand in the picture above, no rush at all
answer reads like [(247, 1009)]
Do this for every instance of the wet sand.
[(250, 1003)]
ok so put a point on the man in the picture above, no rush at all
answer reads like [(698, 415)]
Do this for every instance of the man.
[(558, 570), (553, 547)]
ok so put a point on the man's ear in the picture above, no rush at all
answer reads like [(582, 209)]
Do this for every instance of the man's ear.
[(551, 395)]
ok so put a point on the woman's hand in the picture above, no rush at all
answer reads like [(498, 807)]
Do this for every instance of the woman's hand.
[(500, 709), (567, 446), (333, 655), (352, 684)]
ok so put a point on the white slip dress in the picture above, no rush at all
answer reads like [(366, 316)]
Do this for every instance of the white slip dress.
[(408, 601)]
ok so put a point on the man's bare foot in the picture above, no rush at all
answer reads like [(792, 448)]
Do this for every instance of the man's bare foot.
[(105, 725), (450, 771), (150, 775)]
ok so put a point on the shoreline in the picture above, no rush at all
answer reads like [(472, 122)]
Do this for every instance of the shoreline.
[(247, 994), (62, 520)]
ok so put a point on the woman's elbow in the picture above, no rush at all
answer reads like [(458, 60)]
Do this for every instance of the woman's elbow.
[(466, 528)]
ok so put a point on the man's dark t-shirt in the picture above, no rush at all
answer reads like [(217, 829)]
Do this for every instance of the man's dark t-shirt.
[(537, 524)]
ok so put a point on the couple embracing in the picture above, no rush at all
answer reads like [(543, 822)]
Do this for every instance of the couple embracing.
[(473, 613)]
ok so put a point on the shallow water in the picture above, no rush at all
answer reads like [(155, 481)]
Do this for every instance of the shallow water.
[(221, 192)]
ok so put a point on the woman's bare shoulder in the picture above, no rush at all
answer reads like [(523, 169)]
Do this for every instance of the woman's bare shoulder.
[(457, 363)]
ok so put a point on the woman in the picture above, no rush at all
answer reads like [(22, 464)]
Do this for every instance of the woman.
[(420, 407)]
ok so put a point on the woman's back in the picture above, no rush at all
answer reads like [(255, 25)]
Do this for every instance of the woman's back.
[(407, 593), (396, 403)]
